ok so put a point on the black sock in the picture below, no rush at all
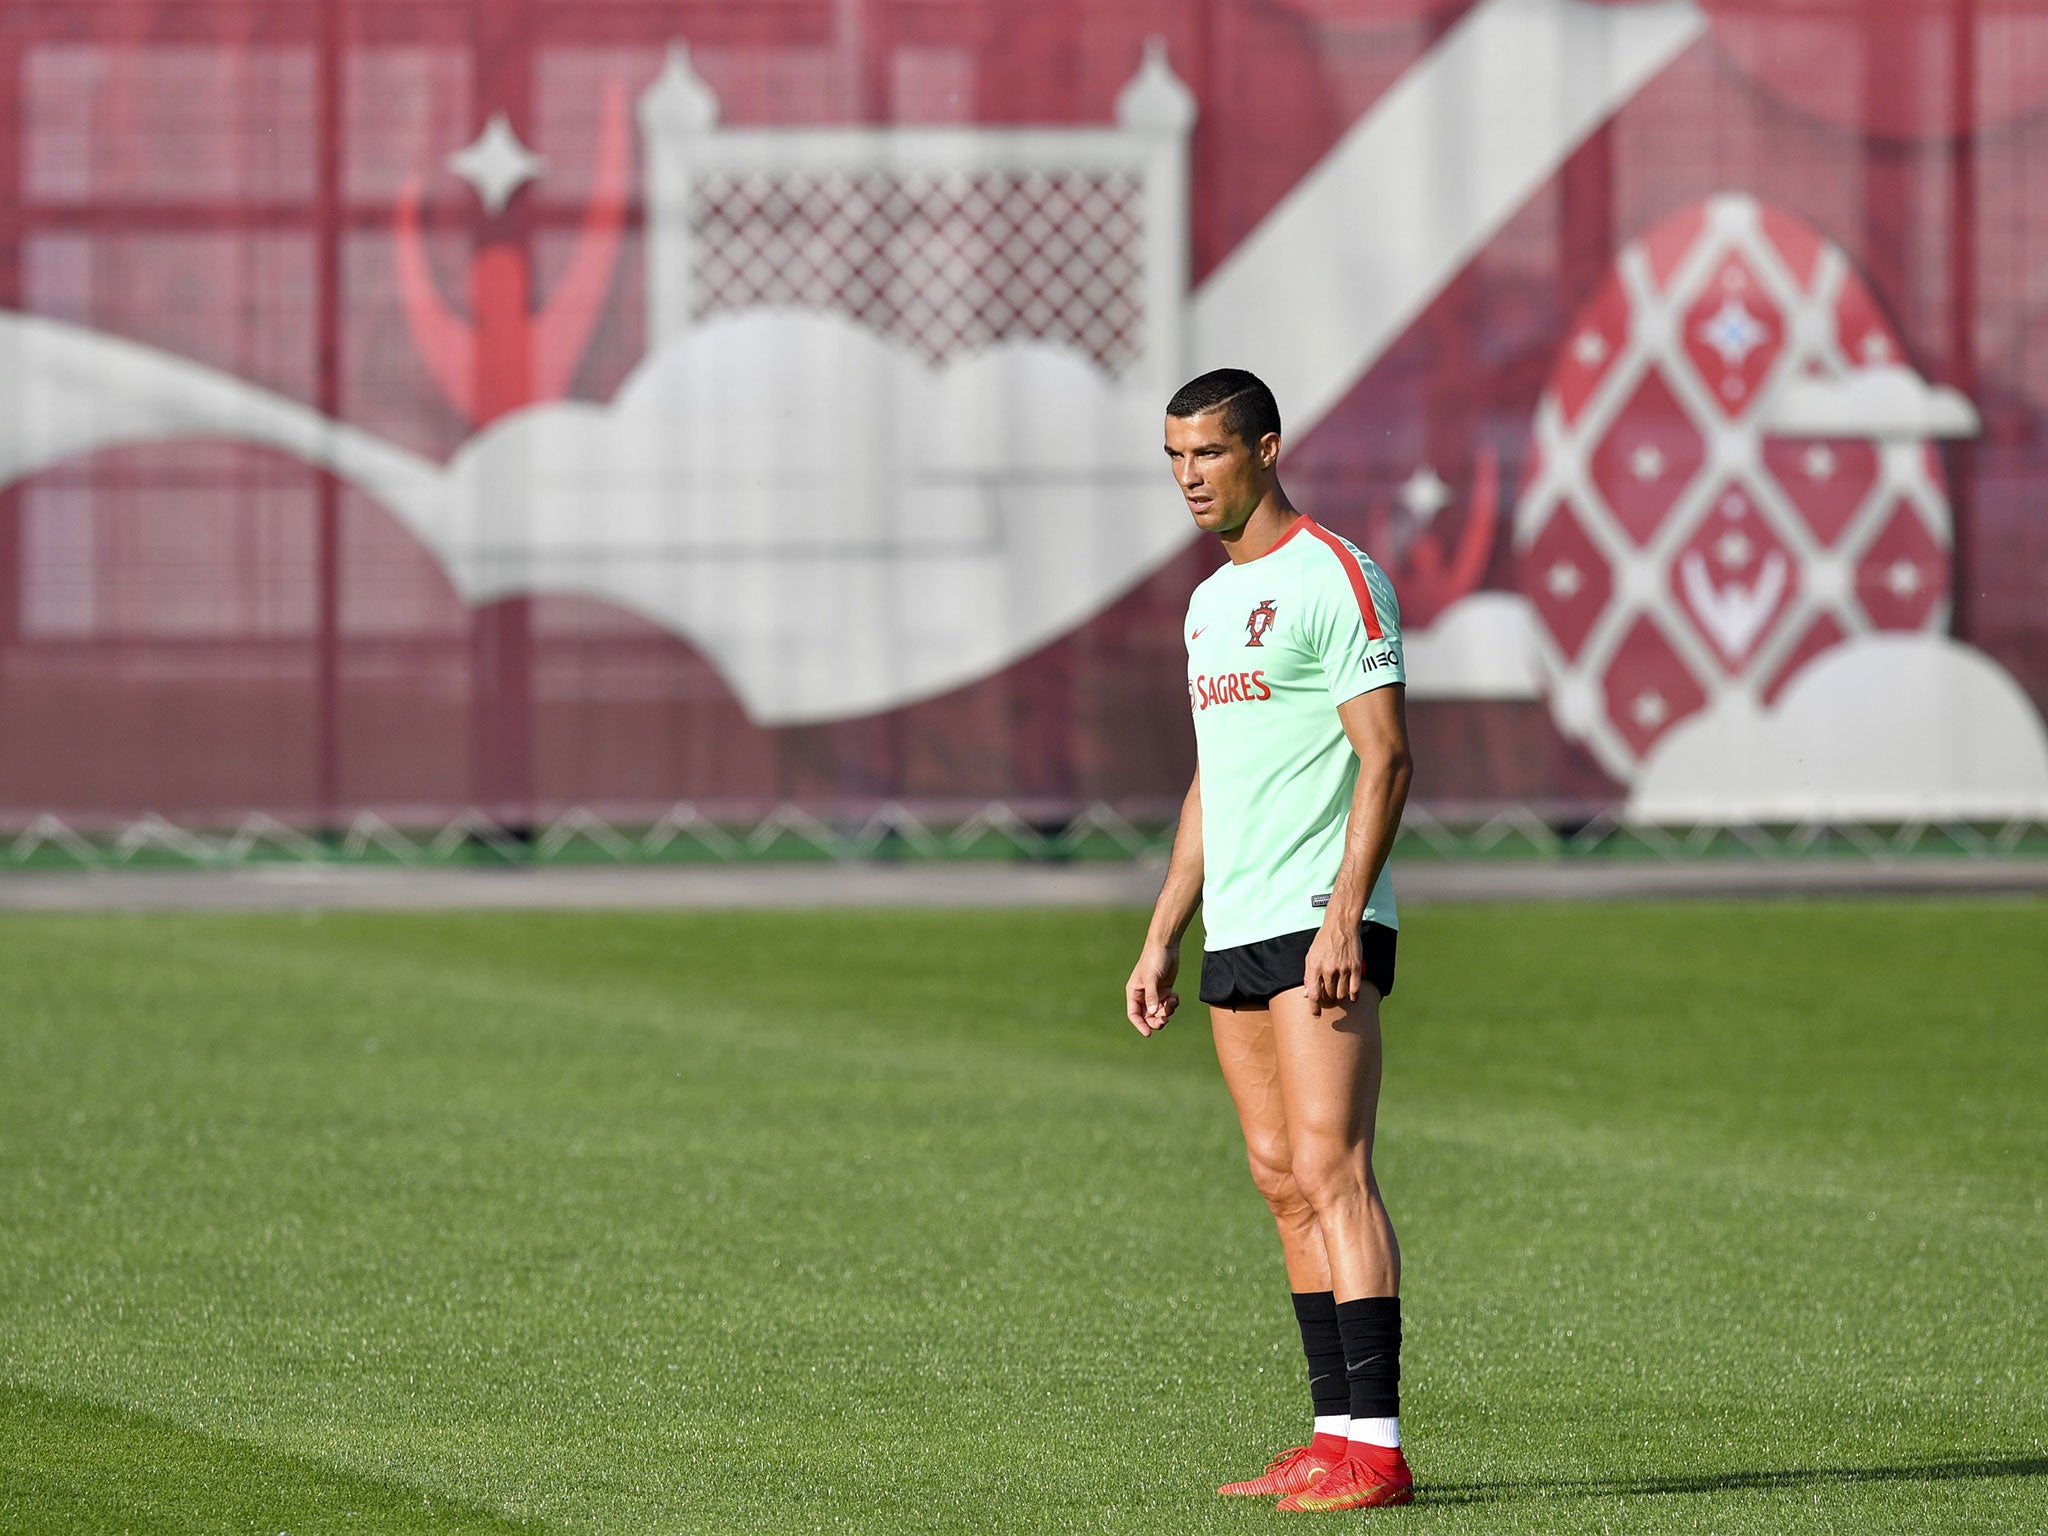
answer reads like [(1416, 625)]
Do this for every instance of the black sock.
[(1371, 1329), (1328, 1387)]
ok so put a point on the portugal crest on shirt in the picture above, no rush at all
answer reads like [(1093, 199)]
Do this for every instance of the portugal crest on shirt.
[(1260, 623)]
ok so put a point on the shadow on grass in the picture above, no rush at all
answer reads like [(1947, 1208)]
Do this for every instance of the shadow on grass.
[(1961, 1469), (68, 1464)]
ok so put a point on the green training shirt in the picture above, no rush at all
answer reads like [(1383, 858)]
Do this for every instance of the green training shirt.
[(1274, 646)]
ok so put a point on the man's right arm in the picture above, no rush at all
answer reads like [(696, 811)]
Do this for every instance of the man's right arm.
[(1149, 998)]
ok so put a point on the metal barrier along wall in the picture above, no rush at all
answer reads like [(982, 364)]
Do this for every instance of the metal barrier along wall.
[(687, 834)]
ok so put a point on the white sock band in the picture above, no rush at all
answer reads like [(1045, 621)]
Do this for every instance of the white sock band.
[(1385, 1432), (1338, 1424)]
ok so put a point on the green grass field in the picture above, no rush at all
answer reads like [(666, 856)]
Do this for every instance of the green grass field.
[(1717, 1218)]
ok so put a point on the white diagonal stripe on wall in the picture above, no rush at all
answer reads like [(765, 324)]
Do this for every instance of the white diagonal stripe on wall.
[(1333, 276)]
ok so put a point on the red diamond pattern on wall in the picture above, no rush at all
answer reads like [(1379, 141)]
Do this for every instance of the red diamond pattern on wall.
[(1596, 341), (1827, 480), (1733, 335), (1903, 576), (1567, 578), (1671, 552), (1649, 688), (1647, 457), (1734, 578)]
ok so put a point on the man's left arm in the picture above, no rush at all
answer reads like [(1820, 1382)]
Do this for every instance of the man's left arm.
[(1376, 724)]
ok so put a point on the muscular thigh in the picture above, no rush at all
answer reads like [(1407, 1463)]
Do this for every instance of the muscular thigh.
[(1246, 1050), (1327, 1066)]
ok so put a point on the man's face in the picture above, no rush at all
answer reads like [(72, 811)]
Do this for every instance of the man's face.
[(1221, 476)]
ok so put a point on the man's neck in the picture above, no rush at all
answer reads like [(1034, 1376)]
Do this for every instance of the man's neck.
[(1267, 526)]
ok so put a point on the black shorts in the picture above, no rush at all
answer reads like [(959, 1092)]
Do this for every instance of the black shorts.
[(1252, 975)]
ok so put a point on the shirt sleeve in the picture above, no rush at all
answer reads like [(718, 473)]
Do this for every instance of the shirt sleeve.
[(1357, 624)]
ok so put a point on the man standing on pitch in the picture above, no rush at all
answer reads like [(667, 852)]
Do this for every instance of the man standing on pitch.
[(1302, 768)]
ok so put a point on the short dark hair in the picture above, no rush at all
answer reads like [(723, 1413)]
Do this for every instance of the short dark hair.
[(1249, 409)]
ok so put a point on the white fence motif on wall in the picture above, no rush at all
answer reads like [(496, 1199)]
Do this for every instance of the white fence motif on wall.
[(945, 239)]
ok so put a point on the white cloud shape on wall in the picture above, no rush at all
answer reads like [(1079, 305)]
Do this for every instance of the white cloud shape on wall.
[(1883, 728), (1481, 647), (1886, 401), (839, 527)]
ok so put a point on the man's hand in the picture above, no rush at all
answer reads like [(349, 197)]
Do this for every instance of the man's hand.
[(1334, 971), (1376, 725), (1149, 1000)]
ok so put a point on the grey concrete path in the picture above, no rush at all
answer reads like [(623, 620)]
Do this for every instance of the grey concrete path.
[(297, 887)]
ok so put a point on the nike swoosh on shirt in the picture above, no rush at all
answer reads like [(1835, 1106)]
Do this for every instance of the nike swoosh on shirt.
[(1199, 633)]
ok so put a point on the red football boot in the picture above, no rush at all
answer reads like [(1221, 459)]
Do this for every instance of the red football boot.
[(1292, 1471), (1373, 1476)]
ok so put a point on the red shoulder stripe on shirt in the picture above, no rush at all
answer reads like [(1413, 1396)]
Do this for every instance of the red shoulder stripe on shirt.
[(1354, 571), (1301, 521)]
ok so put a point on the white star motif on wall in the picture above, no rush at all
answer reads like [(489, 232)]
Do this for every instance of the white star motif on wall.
[(1589, 349), (1733, 549), (1424, 494), (1876, 349), (1902, 578), (1732, 331), (1646, 463), (1649, 709), (496, 163), (1818, 462), (1564, 580)]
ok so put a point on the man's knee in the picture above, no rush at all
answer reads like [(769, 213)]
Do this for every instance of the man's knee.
[(1328, 1172), (1273, 1177)]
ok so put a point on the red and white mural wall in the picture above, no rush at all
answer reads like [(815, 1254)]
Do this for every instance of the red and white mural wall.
[(521, 404)]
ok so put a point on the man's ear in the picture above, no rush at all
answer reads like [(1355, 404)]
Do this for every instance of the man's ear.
[(1269, 450)]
